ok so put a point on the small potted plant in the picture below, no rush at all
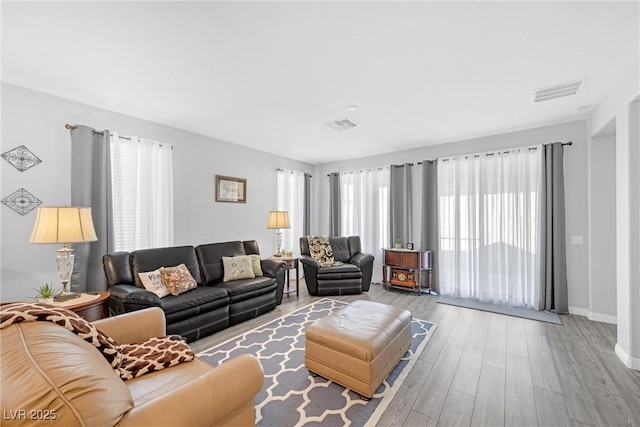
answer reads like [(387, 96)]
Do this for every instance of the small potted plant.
[(398, 243), (45, 294)]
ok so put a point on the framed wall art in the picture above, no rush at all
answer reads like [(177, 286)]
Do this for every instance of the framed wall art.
[(230, 189)]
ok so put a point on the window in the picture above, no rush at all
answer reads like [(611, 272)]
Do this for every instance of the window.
[(142, 193), (489, 214), (291, 198), (365, 208)]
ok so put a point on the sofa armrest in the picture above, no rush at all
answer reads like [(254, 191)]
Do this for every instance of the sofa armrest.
[(209, 400), (127, 298), (306, 260), (271, 267), (135, 326), (361, 259)]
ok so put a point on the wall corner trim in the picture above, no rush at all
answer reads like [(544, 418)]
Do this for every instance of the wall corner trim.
[(596, 317), (630, 362)]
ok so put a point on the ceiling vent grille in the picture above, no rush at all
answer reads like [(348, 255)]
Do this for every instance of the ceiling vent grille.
[(558, 91), (343, 124)]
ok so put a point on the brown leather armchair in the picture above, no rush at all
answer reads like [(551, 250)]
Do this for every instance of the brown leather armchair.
[(49, 373)]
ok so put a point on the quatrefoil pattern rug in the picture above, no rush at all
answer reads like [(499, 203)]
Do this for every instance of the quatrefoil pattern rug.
[(292, 397)]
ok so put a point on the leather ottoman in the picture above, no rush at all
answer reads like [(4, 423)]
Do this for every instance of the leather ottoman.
[(358, 345)]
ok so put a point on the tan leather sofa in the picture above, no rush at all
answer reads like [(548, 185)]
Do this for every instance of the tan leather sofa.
[(50, 376)]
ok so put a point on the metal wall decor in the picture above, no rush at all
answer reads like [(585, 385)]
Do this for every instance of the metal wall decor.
[(22, 201), (21, 158)]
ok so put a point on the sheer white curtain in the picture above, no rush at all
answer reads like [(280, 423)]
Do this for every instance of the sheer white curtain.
[(490, 226), (142, 191), (291, 199), (365, 208)]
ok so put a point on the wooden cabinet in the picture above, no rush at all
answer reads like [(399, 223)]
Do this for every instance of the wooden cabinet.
[(406, 267)]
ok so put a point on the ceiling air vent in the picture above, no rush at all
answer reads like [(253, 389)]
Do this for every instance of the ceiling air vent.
[(343, 124), (558, 91)]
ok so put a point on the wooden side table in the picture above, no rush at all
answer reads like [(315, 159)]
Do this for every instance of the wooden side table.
[(406, 267), (290, 264), (89, 306)]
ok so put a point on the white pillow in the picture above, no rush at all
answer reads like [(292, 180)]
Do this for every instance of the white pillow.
[(237, 267), (152, 281)]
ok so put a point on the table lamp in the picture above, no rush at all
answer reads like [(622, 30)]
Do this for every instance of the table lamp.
[(63, 224), (278, 220)]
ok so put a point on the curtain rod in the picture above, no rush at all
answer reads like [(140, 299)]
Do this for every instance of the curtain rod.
[(96, 132), (280, 169), (493, 153), (352, 172)]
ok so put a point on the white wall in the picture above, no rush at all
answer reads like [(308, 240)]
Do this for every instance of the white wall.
[(37, 120), (602, 228), (621, 105), (575, 187)]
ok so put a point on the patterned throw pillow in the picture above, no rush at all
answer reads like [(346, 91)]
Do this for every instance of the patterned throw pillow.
[(237, 267), (320, 250), (178, 279), (255, 263), (152, 281)]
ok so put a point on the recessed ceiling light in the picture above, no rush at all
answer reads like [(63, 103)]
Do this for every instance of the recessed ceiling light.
[(352, 107)]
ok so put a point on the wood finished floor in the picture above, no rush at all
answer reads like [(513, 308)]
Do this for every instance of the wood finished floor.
[(485, 369)]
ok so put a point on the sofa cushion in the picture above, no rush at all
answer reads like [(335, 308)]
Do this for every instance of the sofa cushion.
[(210, 258), (340, 246), (152, 259), (61, 372), (342, 271), (237, 267), (245, 286), (178, 279), (200, 296)]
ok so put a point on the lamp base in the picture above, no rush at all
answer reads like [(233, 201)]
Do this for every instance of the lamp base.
[(66, 297)]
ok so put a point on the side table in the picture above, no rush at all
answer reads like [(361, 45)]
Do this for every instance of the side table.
[(290, 264), (89, 306)]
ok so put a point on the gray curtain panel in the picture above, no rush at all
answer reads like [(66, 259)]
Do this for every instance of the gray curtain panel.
[(430, 233), (334, 204), (306, 215), (91, 186), (553, 264), (400, 204)]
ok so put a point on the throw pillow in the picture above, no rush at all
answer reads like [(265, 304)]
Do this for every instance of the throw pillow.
[(178, 279), (320, 250), (237, 267), (152, 281), (255, 264)]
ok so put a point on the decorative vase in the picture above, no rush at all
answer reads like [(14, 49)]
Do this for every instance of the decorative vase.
[(398, 245), (45, 300)]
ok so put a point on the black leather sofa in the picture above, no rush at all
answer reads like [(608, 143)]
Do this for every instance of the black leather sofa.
[(353, 276), (213, 305)]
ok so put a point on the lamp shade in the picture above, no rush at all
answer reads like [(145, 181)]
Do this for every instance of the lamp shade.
[(63, 224), (278, 219)]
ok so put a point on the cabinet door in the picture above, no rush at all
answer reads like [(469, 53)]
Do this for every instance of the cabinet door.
[(409, 259), (392, 258)]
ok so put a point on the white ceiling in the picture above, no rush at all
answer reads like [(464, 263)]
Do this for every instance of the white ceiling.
[(270, 75)]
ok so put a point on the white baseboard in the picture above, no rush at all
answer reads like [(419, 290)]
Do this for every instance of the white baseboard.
[(630, 362), (596, 317)]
